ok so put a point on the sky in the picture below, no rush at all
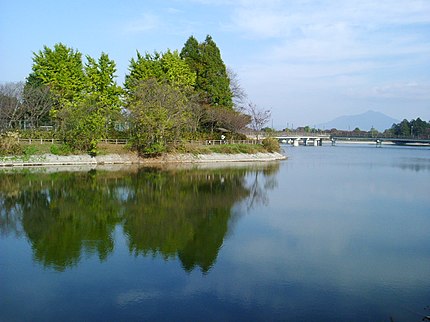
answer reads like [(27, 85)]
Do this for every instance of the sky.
[(308, 61)]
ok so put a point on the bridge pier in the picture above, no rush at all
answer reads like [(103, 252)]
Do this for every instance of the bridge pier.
[(304, 139)]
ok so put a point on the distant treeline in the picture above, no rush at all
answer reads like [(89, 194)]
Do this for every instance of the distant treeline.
[(413, 128), (417, 128), (166, 97)]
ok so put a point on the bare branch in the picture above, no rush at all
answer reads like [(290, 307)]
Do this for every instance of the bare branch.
[(239, 94), (258, 117)]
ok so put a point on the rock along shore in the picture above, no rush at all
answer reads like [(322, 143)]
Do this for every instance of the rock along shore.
[(58, 160)]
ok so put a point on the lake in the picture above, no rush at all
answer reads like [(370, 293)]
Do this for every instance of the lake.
[(331, 234)]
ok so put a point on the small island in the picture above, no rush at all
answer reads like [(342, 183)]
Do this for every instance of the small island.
[(174, 106)]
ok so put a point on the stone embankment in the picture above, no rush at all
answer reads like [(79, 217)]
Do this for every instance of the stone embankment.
[(57, 160)]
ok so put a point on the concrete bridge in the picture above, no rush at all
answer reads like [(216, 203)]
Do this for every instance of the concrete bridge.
[(294, 139), (314, 139), (380, 140)]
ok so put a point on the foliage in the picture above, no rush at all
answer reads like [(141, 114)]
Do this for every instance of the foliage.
[(417, 128), (177, 72), (222, 117), (271, 145), (30, 150), (84, 100), (37, 134), (166, 67), (9, 143), (101, 86), (84, 126), (60, 69), (159, 114), (212, 82), (60, 149), (83, 103)]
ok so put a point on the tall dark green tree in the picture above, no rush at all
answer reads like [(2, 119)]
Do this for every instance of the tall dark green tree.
[(402, 129), (212, 81), (191, 54), (419, 127)]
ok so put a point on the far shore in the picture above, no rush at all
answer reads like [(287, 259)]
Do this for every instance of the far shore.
[(47, 160)]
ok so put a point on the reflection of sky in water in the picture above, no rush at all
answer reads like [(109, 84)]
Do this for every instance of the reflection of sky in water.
[(345, 227)]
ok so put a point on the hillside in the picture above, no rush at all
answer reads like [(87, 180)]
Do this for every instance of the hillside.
[(364, 121)]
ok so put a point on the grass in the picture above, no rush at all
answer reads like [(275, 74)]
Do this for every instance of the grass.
[(104, 149), (222, 148)]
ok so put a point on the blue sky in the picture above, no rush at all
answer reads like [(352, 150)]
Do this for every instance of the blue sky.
[(308, 61)]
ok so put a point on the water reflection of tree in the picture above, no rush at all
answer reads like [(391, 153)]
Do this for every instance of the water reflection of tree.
[(182, 213), (62, 215), (174, 214), (259, 183)]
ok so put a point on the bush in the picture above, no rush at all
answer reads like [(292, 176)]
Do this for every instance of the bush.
[(9, 144), (271, 145), (37, 134), (30, 150), (61, 149)]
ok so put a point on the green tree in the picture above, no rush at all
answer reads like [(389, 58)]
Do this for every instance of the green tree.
[(102, 90), (419, 127), (176, 71), (84, 125), (101, 85), (212, 80), (192, 56), (60, 69), (215, 81), (143, 68), (159, 114), (402, 129), (166, 67)]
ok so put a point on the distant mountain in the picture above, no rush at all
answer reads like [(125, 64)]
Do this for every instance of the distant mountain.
[(363, 121)]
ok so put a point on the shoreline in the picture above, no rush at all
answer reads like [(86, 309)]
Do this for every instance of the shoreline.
[(47, 160)]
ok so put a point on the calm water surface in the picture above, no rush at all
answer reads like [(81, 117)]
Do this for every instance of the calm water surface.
[(332, 234)]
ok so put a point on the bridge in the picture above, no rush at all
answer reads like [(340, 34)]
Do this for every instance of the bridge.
[(379, 140), (294, 139), (316, 139)]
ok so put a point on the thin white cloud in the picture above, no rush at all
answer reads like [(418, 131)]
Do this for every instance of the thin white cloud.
[(147, 22), (410, 91)]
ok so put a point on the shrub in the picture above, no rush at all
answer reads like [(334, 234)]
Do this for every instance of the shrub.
[(30, 150), (9, 144), (271, 145), (61, 149)]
